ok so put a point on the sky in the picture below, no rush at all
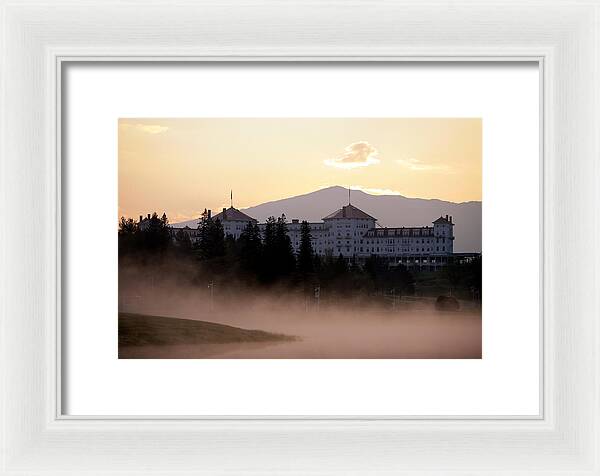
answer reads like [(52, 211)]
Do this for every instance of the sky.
[(182, 166)]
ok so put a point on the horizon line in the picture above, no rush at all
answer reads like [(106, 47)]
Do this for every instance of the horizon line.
[(362, 191), (345, 189)]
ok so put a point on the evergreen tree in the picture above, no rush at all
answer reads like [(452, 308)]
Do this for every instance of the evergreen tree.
[(341, 267), (453, 274), (231, 262), (384, 277), (375, 268), (354, 267), (325, 267), (285, 252), (212, 238), (183, 240), (401, 280), (203, 217), (270, 236), (128, 230), (218, 238), (127, 226), (269, 261), (156, 236), (250, 246), (278, 254), (305, 254), (473, 279), (317, 264)]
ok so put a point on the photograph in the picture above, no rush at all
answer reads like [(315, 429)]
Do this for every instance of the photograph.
[(300, 238), (248, 238)]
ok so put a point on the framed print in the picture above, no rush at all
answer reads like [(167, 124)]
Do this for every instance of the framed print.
[(352, 239), (359, 317)]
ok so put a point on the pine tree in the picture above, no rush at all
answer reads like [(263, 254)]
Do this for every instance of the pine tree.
[(212, 238), (128, 236), (183, 240), (269, 255), (285, 252), (341, 267), (156, 236), (473, 279), (278, 253), (305, 253), (250, 248), (127, 226), (203, 217), (401, 280), (317, 264)]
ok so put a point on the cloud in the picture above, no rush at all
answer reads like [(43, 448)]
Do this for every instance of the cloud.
[(357, 154), (147, 128), (420, 166), (151, 128)]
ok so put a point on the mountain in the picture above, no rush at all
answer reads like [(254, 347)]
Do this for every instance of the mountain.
[(390, 211)]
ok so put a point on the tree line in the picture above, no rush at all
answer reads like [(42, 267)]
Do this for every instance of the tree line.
[(267, 258)]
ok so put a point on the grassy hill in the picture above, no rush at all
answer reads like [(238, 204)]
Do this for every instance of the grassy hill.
[(141, 329)]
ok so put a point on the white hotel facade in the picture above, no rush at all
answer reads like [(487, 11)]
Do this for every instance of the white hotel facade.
[(352, 233)]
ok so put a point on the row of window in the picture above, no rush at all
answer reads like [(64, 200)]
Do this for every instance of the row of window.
[(377, 249)]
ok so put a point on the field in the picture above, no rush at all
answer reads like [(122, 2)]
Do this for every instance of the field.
[(293, 333), (140, 334)]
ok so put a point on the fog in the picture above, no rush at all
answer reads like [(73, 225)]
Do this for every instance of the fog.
[(335, 327)]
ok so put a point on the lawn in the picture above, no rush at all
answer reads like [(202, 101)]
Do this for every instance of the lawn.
[(141, 329)]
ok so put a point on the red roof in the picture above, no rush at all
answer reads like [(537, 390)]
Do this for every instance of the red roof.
[(349, 211), (443, 221), (232, 214)]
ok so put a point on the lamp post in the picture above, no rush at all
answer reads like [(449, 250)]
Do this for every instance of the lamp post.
[(211, 286)]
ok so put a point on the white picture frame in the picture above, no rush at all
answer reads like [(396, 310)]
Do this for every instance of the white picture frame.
[(39, 37)]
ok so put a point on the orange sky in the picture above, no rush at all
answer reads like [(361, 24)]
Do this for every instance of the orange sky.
[(182, 166)]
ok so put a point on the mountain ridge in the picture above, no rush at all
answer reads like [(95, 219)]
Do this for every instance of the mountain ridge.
[(339, 187), (390, 210)]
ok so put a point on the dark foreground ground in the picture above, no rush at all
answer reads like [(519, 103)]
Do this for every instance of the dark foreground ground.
[(144, 336), (423, 335)]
